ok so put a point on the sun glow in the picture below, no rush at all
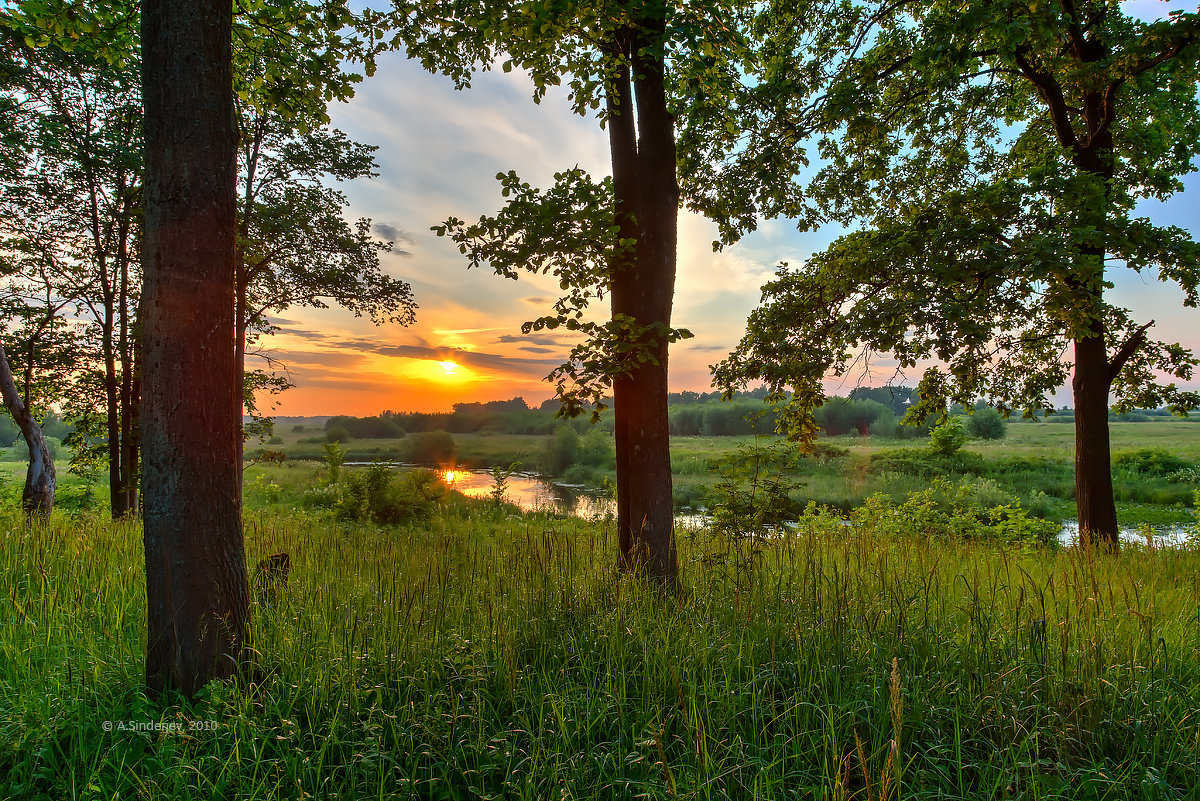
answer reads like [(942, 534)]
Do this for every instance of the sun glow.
[(449, 367), (449, 476)]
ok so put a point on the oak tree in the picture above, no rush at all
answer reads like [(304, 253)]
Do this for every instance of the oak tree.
[(639, 65), (992, 154)]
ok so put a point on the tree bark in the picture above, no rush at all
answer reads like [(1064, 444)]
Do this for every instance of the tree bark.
[(643, 286), (196, 584), (1094, 502), (41, 482)]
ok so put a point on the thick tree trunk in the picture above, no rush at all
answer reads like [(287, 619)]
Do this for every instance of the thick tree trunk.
[(1093, 475), (196, 584), (41, 482), (643, 286)]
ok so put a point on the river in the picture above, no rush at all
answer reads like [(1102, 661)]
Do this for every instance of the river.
[(531, 492)]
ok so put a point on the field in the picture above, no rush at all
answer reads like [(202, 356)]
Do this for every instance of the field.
[(1032, 466), (485, 654), (427, 646)]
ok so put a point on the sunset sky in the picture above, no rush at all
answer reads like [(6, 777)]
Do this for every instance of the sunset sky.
[(439, 152)]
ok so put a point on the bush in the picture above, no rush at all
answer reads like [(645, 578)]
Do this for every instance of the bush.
[(296, 429), (885, 426), (967, 510), (947, 437), (432, 448), (561, 450), (580, 474), (987, 423), (275, 441), (337, 434), (1150, 462), (378, 495), (596, 449)]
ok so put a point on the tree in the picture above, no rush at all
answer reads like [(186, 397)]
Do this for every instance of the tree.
[(79, 205), (295, 247), (41, 481), (993, 154), (197, 594), (639, 65)]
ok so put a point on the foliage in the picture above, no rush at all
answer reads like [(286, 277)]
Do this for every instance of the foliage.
[(969, 509), (335, 454), (382, 496), (753, 491), (947, 436), (1149, 462), (432, 448), (337, 434), (1002, 178), (366, 427), (561, 450), (987, 423), (500, 477)]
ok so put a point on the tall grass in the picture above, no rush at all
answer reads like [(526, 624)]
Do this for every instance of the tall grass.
[(489, 655)]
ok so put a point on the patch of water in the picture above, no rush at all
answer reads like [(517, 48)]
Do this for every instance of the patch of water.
[(532, 493), (1168, 536)]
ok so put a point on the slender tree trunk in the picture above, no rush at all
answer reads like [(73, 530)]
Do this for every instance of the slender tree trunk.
[(127, 347), (196, 586), (643, 286), (40, 479)]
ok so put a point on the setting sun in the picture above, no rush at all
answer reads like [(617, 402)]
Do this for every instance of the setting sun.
[(449, 367)]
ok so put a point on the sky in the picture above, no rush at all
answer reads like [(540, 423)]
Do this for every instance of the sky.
[(439, 153)]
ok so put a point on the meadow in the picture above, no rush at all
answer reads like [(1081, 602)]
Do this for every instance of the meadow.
[(1032, 466), (483, 653), (429, 646)]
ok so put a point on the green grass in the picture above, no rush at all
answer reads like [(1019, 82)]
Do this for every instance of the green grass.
[(488, 654)]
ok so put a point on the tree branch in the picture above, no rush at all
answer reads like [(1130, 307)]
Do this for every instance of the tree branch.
[(1135, 341)]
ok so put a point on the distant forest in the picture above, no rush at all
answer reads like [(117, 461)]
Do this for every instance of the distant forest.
[(867, 410)]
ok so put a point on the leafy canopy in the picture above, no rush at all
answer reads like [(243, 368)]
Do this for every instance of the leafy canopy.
[(992, 154)]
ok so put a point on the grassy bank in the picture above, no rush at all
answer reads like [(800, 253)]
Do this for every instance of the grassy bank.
[(489, 654)]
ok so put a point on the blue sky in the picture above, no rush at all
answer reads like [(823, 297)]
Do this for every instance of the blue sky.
[(439, 152)]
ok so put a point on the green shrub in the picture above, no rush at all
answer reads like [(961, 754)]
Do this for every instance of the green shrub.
[(379, 496), (596, 448), (432, 448), (885, 426), (296, 429), (561, 450), (275, 441), (967, 510), (987, 423), (754, 490), (1150, 462), (947, 436), (925, 463), (581, 474), (337, 434)]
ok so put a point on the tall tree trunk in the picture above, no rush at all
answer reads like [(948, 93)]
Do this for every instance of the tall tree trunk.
[(643, 286), (41, 481), (1094, 500), (196, 586)]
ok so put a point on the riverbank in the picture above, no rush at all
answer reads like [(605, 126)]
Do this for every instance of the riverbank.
[(1156, 466)]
